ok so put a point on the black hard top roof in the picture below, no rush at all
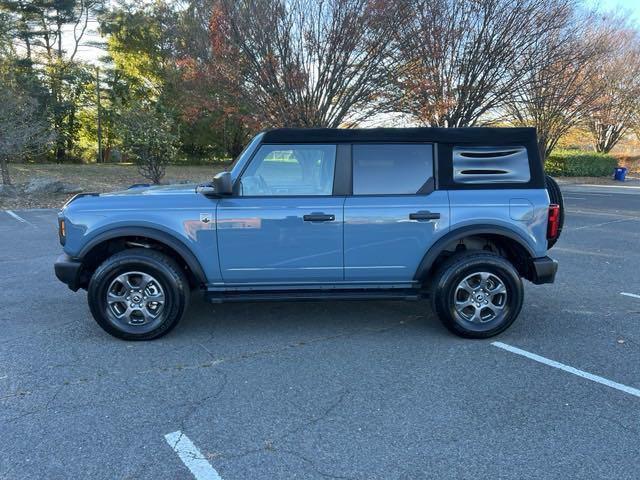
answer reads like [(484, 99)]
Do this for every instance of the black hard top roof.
[(474, 135)]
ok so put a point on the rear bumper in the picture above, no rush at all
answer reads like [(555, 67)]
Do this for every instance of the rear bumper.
[(544, 270), (68, 271)]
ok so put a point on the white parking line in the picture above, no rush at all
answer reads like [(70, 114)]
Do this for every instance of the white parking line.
[(624, 187), (18, 217), (570, 190), (590, 212), (603, 223), (632, 295), (580, 373), (191, 456), (584, 252)]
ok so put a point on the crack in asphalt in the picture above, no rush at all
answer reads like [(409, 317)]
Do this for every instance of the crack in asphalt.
[(316, 420), (195, 406), (312, 341), (271, 447)]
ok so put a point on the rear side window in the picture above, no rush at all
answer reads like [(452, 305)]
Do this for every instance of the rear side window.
[(486, 165), (392, 169)]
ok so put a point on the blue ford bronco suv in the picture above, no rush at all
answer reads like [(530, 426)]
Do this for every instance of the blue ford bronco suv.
[(457, 215)]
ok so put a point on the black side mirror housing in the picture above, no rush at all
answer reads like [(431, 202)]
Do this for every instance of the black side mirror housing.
[(219, 187), (222, 183)]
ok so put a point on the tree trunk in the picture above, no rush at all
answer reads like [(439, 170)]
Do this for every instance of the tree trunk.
[(4, 166), (58, 123), (58, 114), (542, 147), (606, 136), (72, 125), (60, 151)]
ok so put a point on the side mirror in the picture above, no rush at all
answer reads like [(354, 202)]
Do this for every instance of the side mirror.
[(220, 186), (222, 183)]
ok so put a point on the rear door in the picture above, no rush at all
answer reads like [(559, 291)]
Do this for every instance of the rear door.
[(284, 225), (395, 213)]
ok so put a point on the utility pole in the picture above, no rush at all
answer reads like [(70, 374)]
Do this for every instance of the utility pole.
[(100, 159)]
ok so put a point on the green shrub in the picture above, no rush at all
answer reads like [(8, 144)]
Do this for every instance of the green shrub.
[(578, 163), (148, 136)]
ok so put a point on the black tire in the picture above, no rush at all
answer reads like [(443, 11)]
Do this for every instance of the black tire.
[(469, 265), (555, 196), (168, 279)]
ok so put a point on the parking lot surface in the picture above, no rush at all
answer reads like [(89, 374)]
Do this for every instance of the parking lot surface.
[(349, 390)]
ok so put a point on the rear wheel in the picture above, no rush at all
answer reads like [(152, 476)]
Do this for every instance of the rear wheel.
[(138, 294), (555, 196), (477, 294)]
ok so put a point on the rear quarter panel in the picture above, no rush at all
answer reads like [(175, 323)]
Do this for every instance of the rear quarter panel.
[(523, 211)]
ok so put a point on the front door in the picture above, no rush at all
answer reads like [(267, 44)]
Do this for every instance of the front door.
[(394, 215), (284, 226)]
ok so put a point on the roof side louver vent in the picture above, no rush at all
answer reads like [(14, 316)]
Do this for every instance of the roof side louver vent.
[(473, 165)]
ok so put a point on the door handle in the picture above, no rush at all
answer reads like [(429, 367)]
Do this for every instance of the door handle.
[(424, 215), (318, 217)]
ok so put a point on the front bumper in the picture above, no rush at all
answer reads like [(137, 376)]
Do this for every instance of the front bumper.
[(543, 270), (68, 271)]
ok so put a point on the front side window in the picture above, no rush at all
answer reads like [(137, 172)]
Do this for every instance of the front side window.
[(392, 169), (282, 170)]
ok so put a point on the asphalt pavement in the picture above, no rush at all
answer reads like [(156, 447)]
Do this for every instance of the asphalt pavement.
[(349, 390)]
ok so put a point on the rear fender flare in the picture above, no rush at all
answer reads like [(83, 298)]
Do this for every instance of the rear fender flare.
[(460, 233)]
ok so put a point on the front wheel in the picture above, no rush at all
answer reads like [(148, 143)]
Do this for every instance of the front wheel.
[(477, 295), (138, 294)]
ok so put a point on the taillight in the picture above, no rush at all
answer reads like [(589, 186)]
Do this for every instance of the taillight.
[(554, 221)]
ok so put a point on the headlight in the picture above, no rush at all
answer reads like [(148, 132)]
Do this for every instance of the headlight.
[(62, 231)]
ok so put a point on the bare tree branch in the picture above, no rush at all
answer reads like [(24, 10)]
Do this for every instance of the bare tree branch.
[(305, 62), (22, 132), (555, 94), (617, 86), (458, 58)]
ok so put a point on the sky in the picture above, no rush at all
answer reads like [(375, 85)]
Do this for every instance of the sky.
[(631, 6), (86, 52)]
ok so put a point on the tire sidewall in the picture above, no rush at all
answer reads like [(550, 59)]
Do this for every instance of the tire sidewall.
[(174, 291), (444, 294)]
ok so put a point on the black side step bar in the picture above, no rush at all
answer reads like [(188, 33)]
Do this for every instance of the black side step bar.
[(313, 295)]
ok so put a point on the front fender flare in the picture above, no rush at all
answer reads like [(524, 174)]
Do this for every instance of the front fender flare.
[(159, 236)]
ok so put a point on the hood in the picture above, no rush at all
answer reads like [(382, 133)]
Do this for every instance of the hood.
[(178, 189), (138, 198)]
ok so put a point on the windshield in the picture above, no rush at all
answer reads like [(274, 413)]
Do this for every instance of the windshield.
[(247, 151)]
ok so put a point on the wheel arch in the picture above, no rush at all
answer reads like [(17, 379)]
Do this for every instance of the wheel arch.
[(517, 248), (107, 243)]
